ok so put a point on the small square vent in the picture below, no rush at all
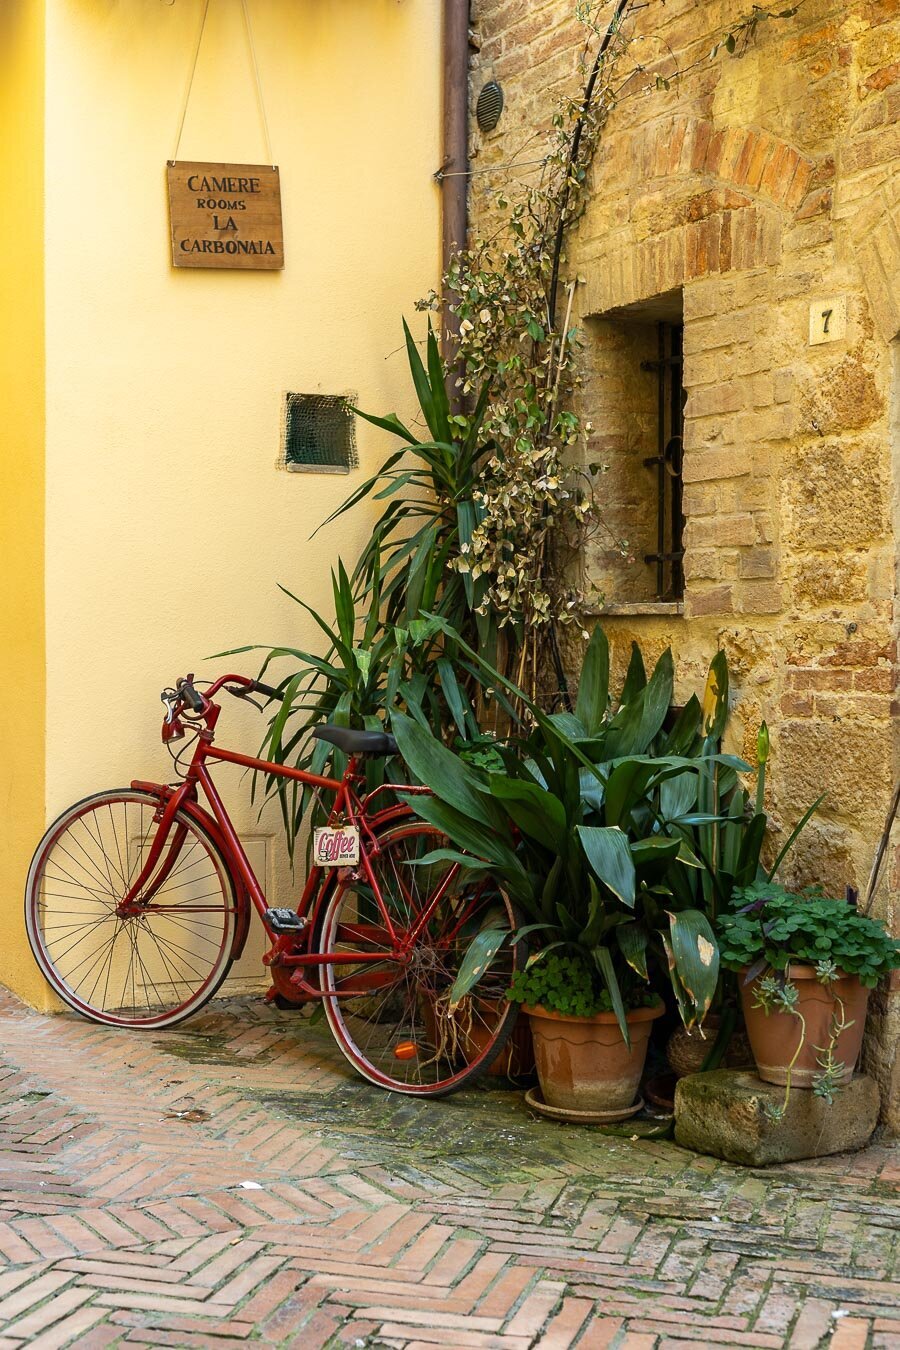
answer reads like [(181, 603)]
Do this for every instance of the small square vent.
[(319, 433)]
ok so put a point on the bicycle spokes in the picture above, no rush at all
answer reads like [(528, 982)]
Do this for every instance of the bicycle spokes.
[(148, 960), (391, 1006)]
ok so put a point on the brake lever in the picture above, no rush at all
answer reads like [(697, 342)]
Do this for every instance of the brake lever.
[(169, 697), (244, 695)]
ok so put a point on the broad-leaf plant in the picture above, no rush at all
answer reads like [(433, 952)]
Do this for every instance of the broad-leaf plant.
[(588, 822)]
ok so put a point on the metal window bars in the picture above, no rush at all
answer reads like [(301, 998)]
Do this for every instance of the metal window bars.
[(667, 462)]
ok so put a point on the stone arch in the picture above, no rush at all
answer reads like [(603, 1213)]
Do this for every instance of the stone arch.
[(739, 185), (750, 160), (721, 241)]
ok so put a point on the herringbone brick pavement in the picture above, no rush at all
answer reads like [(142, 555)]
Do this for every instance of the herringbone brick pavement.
[(372, 1220)]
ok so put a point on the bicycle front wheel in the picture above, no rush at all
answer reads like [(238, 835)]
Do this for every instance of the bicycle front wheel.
[(169, 955), (392, 1019)]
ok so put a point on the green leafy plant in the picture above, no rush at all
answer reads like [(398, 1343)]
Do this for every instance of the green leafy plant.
[(570, 985), (581, 829), (774, 927), (416, 556), (365, 670)]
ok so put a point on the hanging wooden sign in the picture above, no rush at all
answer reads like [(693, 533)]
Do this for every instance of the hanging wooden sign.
[(225, 215)]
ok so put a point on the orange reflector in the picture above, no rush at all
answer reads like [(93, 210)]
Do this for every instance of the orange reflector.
[(405, 1050)]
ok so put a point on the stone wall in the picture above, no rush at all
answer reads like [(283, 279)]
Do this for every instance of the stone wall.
[(757, 192)]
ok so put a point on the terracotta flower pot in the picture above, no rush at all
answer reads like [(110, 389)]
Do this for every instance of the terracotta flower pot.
[(516, 1059), (686, 1050), (583, 1063), (774, 1036)]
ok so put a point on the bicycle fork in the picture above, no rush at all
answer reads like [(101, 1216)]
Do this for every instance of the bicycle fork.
[(142, 890)]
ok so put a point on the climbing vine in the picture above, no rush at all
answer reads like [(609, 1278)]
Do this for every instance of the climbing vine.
[(514, 306)]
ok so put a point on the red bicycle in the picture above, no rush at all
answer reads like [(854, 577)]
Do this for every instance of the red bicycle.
[(139, 899)]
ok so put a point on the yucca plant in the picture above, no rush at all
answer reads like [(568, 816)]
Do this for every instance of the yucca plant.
[(431, 490), (588, 827), (363, 670)]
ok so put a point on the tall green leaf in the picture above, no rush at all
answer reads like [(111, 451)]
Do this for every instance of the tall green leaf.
[(590, 934), (632, 939), (438, 768), (657, 699), (625, 787), (686, 729), (635, 677), (537, 812), (605, 965), (424, 391), (696, 956), (715, 699), (479, 955), (609, 855), (593, 686), (438, 387)]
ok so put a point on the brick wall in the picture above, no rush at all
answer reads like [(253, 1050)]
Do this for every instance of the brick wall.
[(751, 189)]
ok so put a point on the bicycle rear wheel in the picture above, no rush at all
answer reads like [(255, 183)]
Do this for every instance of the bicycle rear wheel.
[(155, 967), (392, 1020)]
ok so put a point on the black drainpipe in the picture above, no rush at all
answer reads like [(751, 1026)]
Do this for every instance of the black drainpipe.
[(453, 173)]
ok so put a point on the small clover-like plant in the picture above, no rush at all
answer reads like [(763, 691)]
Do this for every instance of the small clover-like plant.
[(567, 985)]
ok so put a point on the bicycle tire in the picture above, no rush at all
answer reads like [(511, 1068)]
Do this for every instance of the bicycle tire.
[(416, 1054), (93, 878)]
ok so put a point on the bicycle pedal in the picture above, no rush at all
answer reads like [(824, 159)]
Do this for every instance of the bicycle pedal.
[(285, 921)]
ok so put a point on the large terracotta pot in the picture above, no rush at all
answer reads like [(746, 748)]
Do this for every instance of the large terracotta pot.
[(774, 1036), (583, 1063)]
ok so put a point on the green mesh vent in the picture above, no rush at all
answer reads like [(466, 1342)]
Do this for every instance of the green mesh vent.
[(319, 433)]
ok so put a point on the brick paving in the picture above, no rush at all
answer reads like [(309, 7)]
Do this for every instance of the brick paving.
[(378, 1221)]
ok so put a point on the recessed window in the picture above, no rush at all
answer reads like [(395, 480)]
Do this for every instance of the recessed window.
[(319, 433), (634, 399), (665, 465)]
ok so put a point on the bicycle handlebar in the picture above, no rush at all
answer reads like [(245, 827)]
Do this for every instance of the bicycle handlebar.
[(237, 685), (267, 689), (189, 694)]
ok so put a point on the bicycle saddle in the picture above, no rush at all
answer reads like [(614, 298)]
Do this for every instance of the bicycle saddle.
[(357, 742)]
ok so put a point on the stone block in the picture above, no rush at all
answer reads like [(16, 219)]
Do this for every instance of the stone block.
[(732, 531), (758, 597), (716, 600), (722, 1114), (708, 465)]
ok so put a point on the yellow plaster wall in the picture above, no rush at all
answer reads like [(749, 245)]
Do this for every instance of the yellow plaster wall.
[(21, 474), (168, 523)]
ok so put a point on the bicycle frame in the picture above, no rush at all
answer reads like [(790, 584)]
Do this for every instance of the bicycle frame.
[(290, 952)]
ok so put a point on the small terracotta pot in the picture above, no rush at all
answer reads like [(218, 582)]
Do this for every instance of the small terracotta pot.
[(686, 1050), (516, 1059), (583, 1063), (774, 1036)]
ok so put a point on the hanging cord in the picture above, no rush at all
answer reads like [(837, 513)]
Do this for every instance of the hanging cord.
[(248, 29), (259, 92), (190, 83)]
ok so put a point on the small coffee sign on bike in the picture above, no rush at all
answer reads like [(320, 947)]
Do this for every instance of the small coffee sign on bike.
[(336, 846), (225, 215)]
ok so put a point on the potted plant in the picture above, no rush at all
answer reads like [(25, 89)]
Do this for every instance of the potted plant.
[(584, 1063), (726, 828), (806, 964), (576, 822)]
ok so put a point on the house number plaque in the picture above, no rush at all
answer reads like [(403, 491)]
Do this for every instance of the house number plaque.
[(225, 215)]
